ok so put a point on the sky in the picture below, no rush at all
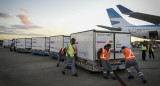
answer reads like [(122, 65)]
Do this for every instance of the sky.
[(39, 18)]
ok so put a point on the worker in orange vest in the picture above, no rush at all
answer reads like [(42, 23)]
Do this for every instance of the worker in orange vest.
[(131, 61), (103, 54), (61, 54)]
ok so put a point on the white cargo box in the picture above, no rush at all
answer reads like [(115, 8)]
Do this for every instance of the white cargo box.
[(5, 42), (89, 42), (23, 43), (9, 43), (16, 43), (58, 42), (40, 43)]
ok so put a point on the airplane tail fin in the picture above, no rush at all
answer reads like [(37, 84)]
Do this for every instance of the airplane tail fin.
[(124, 10), (116, 20)]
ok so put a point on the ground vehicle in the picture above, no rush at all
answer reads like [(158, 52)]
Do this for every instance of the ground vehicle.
[(13, 45), (89, 42), (40, 45), (23, 45), (56, 43)]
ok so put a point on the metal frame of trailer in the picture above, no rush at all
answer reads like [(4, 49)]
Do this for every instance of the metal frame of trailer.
[(40, 52), (55, 54), (24, 50), (94, 66)]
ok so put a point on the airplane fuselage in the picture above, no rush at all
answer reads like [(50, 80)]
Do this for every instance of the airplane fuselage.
[(144, 31)]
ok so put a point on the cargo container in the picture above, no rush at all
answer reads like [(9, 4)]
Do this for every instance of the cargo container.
[(40, 45), (9, 43), (5, 43), (89, 42), (56, 43), (24, 45)]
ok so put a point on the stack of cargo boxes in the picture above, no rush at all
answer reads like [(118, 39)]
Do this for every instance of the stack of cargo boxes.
[(87, 43)]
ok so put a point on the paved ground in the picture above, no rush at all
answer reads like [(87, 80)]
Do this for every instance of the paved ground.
[(19, 69)]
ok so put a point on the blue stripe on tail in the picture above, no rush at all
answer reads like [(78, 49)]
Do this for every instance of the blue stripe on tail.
[(112, 13)]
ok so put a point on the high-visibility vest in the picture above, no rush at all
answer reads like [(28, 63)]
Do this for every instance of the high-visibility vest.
[(129, 54), (151, 48), (75, 50), (144, 47), (105, 54), (62, 51), (70, 50)]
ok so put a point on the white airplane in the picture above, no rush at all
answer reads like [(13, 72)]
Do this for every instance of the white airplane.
[(142, 31)]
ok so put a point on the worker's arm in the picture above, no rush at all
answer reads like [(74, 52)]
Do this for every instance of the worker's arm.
[(66, 48), (99, 52), (122, 51), (115, 51)]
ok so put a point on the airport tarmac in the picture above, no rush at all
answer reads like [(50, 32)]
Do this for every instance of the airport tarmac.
[(25, 69)]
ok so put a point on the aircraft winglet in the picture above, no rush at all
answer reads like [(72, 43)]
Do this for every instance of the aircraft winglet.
[(124, 10)]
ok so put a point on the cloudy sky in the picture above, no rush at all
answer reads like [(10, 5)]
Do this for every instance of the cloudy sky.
[(29, 18)]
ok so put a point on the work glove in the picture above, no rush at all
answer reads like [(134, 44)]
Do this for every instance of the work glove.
[(120, 51)]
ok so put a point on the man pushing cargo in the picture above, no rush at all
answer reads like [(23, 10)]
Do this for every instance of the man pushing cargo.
[(70, 51), (104, 54), (131, 61), (62, 53)]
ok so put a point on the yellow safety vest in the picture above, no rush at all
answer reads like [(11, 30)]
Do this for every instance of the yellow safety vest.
[(151, 48), (70, 50), (144, 47)]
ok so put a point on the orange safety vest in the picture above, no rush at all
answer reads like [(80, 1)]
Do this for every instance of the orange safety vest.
[(129, 54), (75, 50), (62, 51), (105, 55)]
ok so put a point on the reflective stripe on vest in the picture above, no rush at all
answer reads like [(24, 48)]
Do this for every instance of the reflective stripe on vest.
[(70, 50), (131, 55), (105, 55)]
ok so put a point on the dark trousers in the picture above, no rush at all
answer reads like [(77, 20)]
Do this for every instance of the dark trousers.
[(143, 54), (151, 53), (134, 63), (106, 65)]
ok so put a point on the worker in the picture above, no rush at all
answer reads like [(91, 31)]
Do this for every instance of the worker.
[(144, 49), (61, 54), (75, 55), (131, 61), (103, 54), (70, 51), (151, 50)]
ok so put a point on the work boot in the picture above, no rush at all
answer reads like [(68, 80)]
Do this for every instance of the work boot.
[(131, 77), (105, 77), (57, 64), (76, 75), (144, 81), (114, 78), (63, 72)]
